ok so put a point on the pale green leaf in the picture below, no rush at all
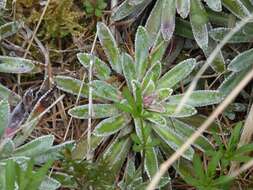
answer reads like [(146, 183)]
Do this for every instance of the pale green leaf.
[(71, 85), (183, 8), (4, 115), (151, 162), (9, 95), (49, 184), (128, 69), (196, 121), (215, 5), (15, 65), (231, 82), (7, 147), (111, 125), (142, 46), (169, 136), (54, 152), (153, 74), (98, 111), (199, 20), (35, 147), (105, 90), (218, 64), (153, 23), (135, 2), (126, 10), (200, 98), (9, 29), (117, 152), (80, 151), (156, 118), (168, 19), (218, 34), (242, 61), (109, 46), (186, 130), (236, 7), (164, 93), (176, 74), (100, 69), (170, 110)]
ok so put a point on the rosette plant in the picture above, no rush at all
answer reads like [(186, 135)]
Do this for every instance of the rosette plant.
[(201, 15), (138, 108), (18, 158)]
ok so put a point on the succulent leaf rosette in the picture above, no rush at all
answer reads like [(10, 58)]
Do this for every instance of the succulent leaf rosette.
[(140, 107)]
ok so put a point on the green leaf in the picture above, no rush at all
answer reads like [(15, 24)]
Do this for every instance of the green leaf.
[(231, 82), (156, 118), (71, 85), (244, 149), (111, 125), (138, 106), (117, 152), (198, 168), (106, 91), (35, 147), (235, 136), (218, 64), (183, 8), (49, 184), (54, 152), (199, 20), (196, 121), (158, 50), (39, 176), (7, 148), (176, 74), (153, 74), (142, 46), (218, 34), (215, 5), (109, 46), (4, 115), (200, 98), (126, 10), (80, 151), (153, 23), (100, 69), (151, 162), (129, 97), (183, 28), (236, 7), (99, 111), (170, 110), (164, 93), (9, 95), (211, 169), (135, 2), (242, 61), (15, 65), (10, 176), (186, 130), (172, 139), (128, 68), (168, 19), (9, 29)]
